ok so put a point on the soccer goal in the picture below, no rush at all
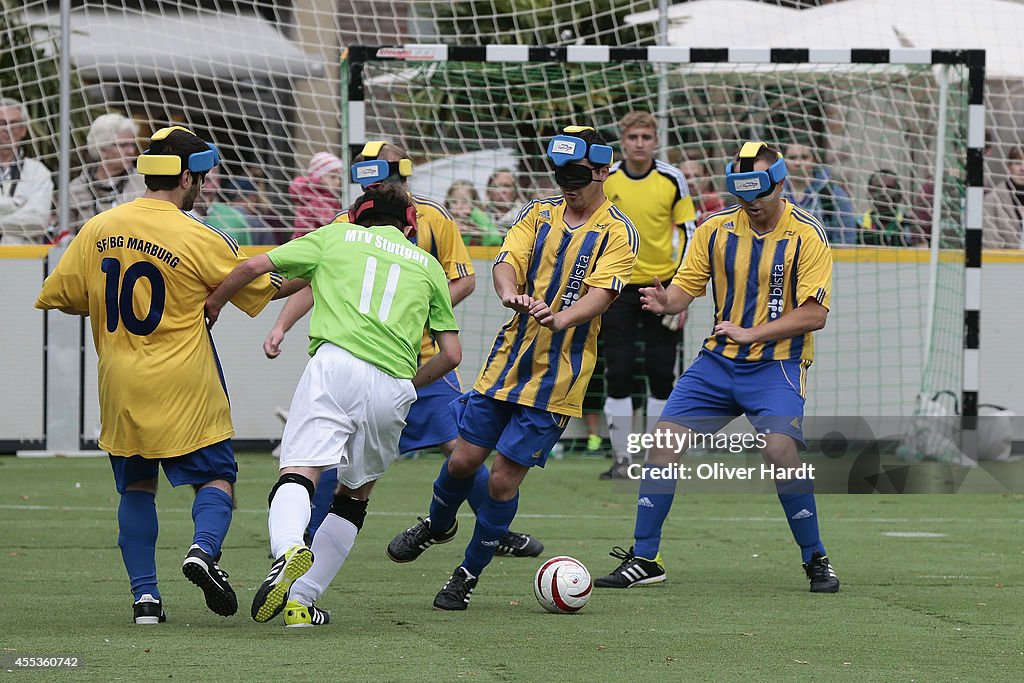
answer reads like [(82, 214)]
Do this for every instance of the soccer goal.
[(905, 311)]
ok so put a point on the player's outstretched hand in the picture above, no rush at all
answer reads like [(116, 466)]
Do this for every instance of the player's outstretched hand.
[(519, 303), (654, 299), (542, 314), (272, 344), (212, 310), (740, 335)]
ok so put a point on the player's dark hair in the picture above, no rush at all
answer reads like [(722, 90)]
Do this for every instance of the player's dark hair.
[(181, 144), (385, 193), (592, 137), (767, 154)]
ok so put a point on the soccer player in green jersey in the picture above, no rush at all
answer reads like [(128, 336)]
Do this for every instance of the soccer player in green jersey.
[(374, 292)]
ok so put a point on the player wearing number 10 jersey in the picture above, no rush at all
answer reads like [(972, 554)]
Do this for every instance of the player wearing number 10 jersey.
[(142, 271), (373, 292)]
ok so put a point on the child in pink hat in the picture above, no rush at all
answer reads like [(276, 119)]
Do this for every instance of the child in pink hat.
[(316, 195)]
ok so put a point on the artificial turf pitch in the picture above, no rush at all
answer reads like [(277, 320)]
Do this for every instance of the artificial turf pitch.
[(931, 588)]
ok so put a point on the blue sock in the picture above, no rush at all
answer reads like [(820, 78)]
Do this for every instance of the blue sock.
[(449, 494), (797, 498), (137, 528), (211, 514), (652, 506), (323, 498), (492, 522), (480, 492)]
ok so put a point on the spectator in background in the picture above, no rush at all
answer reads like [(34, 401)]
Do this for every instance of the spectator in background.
[(212, 208), (317, 195), (705, 198), (810, 187), (109, 177), (477, 228), (884, 224), (1003, 226), (542, 187), (263, 223), (26, 187), (503, 198)]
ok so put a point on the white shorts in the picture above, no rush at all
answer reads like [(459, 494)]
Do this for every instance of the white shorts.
[(346, 413)]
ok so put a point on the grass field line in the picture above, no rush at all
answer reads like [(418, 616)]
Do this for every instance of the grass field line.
[(526, 515)]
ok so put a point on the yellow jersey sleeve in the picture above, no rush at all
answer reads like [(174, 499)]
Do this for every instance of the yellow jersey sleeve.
[(693, 277), (67, 286), (814, 271), (684, 211), (219, 258), (451, 251), (519, 243)]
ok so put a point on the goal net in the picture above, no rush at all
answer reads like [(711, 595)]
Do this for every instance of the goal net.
[(885, 137)]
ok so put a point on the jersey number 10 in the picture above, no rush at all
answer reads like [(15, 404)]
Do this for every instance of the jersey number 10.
[(119, 303)]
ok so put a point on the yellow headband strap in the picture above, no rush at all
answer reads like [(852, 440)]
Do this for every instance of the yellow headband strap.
[(571, 130)]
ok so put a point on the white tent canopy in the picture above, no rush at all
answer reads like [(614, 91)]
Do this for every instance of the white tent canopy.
[(993, 25), (111, 45)]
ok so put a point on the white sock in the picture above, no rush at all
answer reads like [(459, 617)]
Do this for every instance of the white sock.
[(655, 407), (331, 545), (289, 517), (619, 414)]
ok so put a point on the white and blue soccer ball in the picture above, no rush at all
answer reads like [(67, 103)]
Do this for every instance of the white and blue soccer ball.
[(562, 585)]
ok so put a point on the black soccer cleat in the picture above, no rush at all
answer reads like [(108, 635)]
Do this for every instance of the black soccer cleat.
[(456, 593), (513, 544), (272, 595), (633, 571), (821, 575), (202, 570), (620, 470), (149, 610), (410, 544)]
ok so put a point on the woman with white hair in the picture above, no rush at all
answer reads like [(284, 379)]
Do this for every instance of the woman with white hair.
[(108, 178)]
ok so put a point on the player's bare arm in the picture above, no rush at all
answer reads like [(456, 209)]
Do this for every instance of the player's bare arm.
[(448, 357), (664, 300), (808, 317), (595, 302), (242, 275), (461, 287), (294, 309), (507, 288)]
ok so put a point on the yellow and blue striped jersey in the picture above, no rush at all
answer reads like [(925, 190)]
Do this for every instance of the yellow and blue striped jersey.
[(438, 235), (142, 271), (529, 364), (757, 278), (657, 202)]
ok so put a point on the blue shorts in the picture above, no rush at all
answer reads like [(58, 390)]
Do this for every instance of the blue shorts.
[(216, 461), (522, 434), (430, 422), (715, 390)]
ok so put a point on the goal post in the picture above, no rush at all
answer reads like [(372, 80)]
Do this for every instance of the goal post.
[(905, 320)]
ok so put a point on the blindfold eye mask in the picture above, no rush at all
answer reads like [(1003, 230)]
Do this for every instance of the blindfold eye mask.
[(574, 176)]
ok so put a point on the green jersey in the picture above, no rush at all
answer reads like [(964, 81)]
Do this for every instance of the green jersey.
[(373, 292)]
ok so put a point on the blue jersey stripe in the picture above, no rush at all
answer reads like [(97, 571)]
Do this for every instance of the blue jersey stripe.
[(537, 257), (731, 241), (750, 296), (778, 260), (796, 344), (550, 377), (807, 219), (425, 201), (513, 353), (713, 278)]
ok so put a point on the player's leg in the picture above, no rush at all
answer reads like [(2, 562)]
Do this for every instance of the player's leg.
[(593, 403), (480, 420), (211, 471), (661, 349), (331, 545), (697, 404), (776, 411), (137, 529), (619, 334), (323, 416), (525, 442), (323, 496)]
